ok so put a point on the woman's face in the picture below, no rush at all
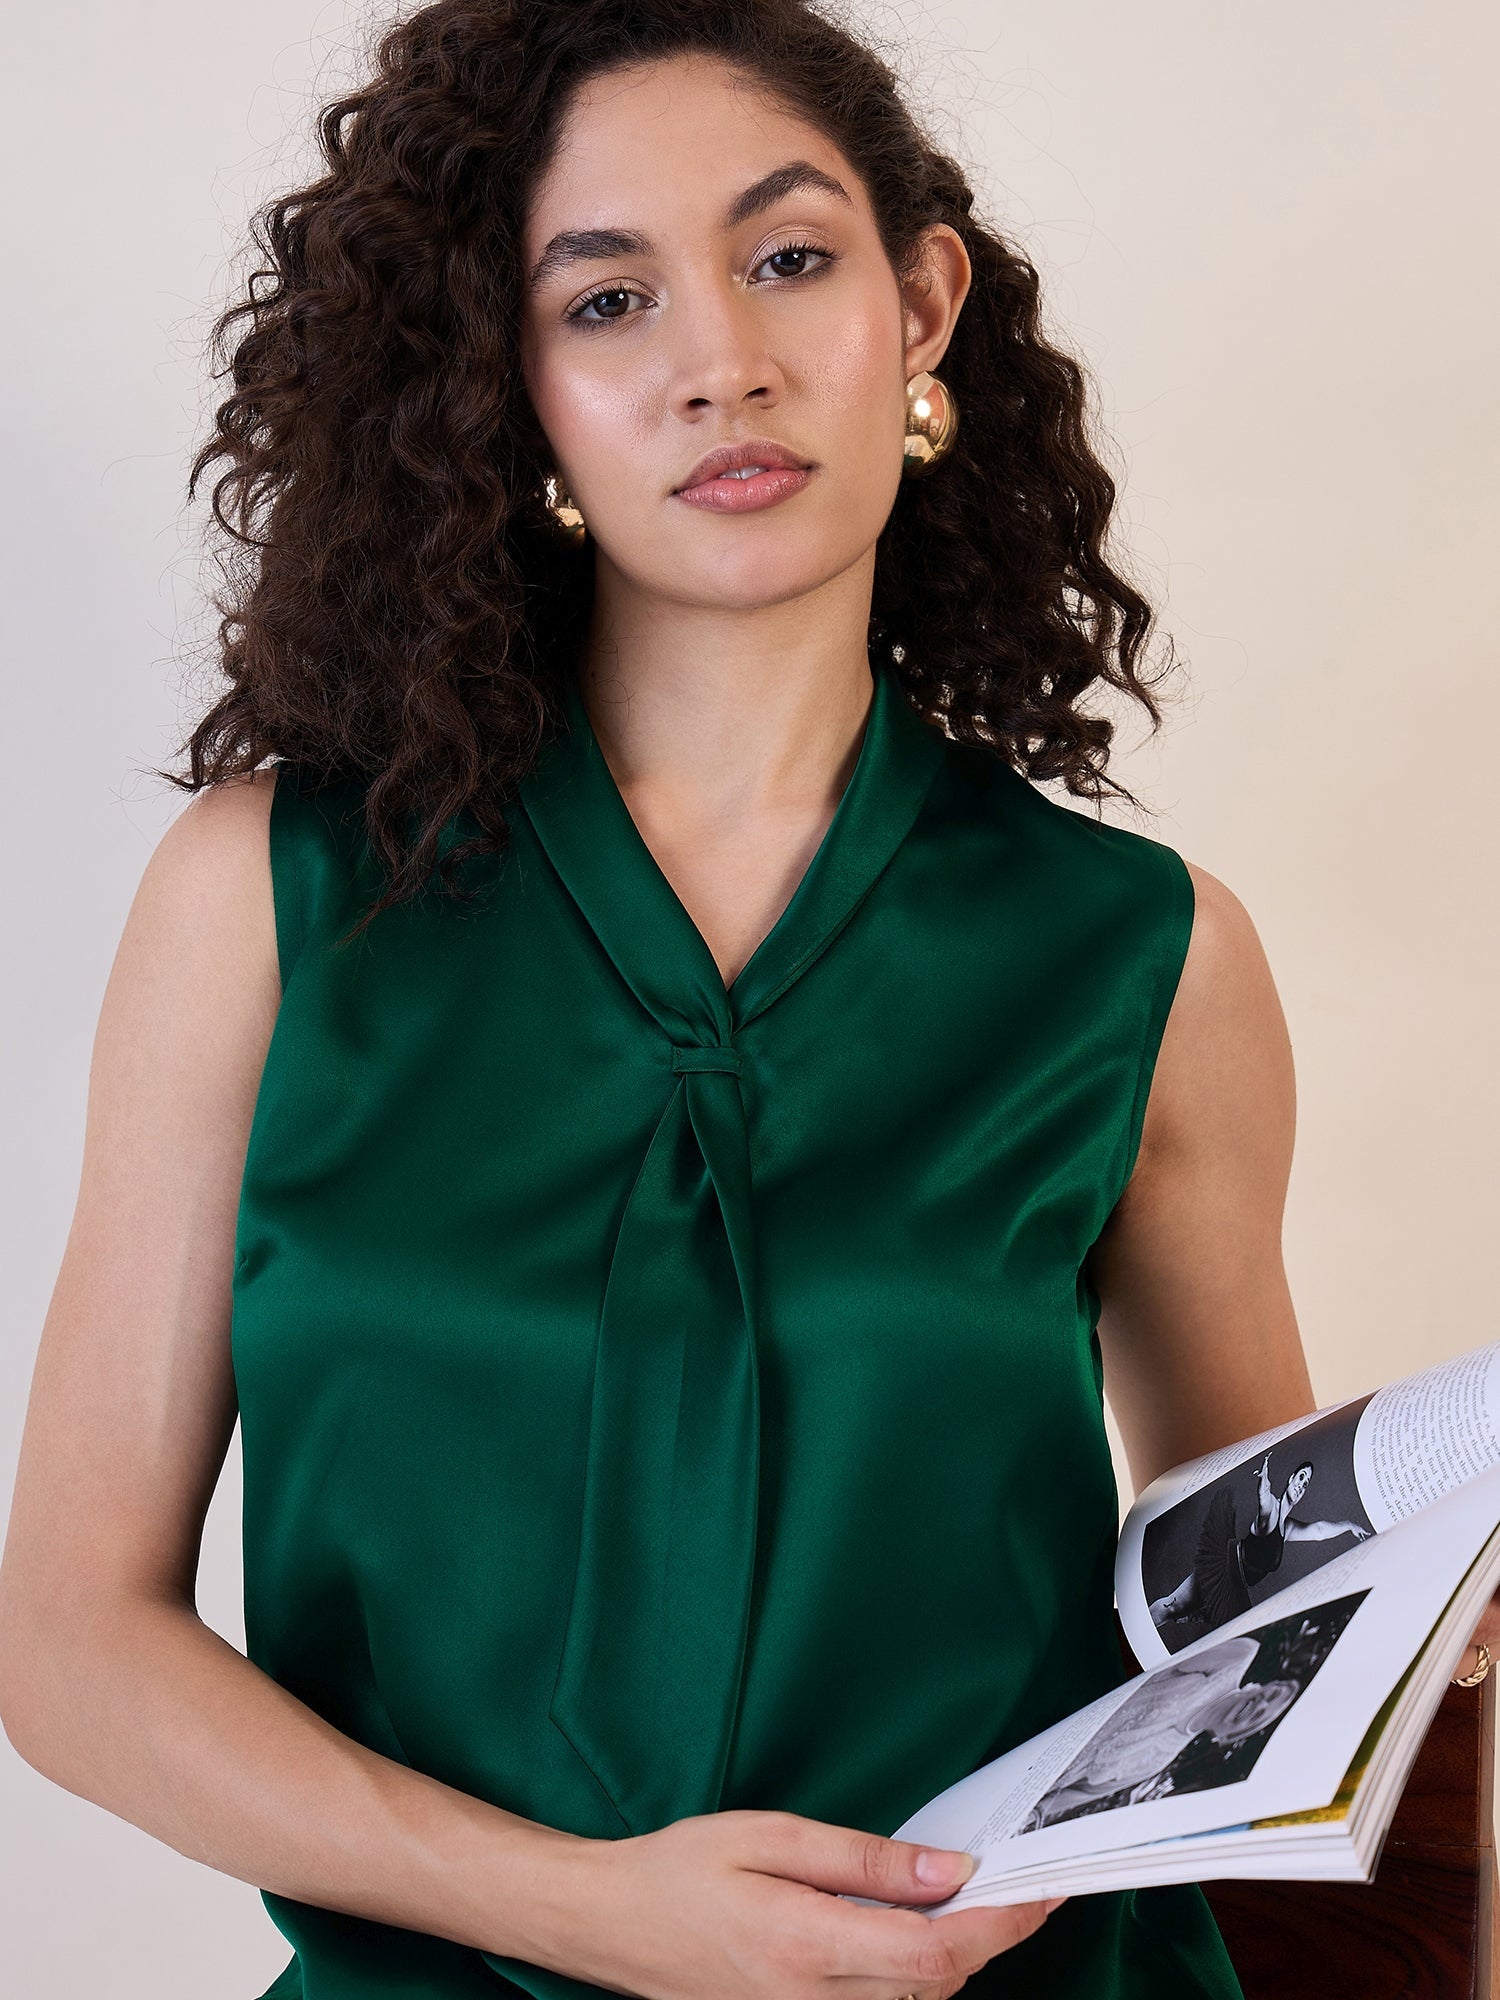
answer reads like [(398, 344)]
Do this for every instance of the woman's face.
[(1298, 1484), (697, 333)]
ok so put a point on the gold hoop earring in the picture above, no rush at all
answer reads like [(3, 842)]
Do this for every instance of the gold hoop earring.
[(565, 514), (931, 424)]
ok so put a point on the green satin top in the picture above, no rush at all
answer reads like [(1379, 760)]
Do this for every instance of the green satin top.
[(658, 1398)]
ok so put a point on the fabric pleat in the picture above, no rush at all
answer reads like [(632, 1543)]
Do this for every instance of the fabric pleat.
[(650, 1673)]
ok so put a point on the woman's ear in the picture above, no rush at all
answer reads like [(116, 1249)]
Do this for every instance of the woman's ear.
[(932, 297)]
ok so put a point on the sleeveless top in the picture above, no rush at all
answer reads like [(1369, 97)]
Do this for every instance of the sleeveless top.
[(657, 1398)]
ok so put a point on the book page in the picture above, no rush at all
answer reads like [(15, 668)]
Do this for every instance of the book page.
[(1263, 1718), (1211, 1539), (1420, 1438)]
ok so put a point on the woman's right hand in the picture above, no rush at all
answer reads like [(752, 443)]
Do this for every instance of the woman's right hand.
[(745, 1905)]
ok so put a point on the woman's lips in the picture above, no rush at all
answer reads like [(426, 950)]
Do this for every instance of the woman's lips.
[(732, 494)]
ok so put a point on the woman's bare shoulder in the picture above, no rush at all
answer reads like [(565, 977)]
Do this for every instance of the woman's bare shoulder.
[(1224, 1069), (206, 892), (1225, 944), (224, 826), (190, 1004)]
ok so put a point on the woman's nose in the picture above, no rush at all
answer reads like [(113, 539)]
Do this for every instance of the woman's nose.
[(720, 352)]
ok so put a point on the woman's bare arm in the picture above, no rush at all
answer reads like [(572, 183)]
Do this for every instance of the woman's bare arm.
[(112, 1686), (1197, 1326), (1325, 1531)]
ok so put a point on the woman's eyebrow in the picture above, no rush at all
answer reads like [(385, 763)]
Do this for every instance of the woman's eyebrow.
[(572, 246)]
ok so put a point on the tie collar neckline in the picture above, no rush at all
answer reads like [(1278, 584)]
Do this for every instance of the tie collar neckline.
[(585, 827)]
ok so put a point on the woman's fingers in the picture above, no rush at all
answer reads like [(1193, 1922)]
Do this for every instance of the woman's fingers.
[(909, 1946), (917, 1952), (848, 1861)]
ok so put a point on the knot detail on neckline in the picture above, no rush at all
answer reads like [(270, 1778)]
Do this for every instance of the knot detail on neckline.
[(696, 1057)]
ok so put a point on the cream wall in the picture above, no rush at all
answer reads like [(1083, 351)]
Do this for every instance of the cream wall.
[(1271, 229)]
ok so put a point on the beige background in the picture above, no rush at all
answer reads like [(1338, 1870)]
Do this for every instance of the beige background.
[(1270, 227)]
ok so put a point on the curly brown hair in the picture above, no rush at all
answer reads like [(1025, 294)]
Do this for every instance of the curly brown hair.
[(394, 610)]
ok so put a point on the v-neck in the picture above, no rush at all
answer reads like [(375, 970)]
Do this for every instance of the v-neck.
[(586, 828)]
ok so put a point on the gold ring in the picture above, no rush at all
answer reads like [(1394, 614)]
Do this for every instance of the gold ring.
[(1473, 1680)]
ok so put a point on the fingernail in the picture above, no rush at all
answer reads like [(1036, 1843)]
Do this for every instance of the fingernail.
[(935, 1866)]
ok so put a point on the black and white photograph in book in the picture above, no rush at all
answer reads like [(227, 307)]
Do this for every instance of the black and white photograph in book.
[(1198, 1723), (1267, 1523)]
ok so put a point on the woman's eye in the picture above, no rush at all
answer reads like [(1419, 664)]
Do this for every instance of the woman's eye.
[(796, 251), (611, 293)]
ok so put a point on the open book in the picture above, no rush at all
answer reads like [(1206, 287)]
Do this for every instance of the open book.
[(1299, 1602)]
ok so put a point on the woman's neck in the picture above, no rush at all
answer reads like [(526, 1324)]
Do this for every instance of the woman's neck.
[(731, 748), (708, 715)]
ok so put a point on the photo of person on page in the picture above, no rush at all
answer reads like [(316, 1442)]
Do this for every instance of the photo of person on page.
[(1228, 1564), (1230, 1544), (1197, 1725)]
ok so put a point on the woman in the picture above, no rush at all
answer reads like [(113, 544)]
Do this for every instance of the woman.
[(623, 1083), (1227, 1565)]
